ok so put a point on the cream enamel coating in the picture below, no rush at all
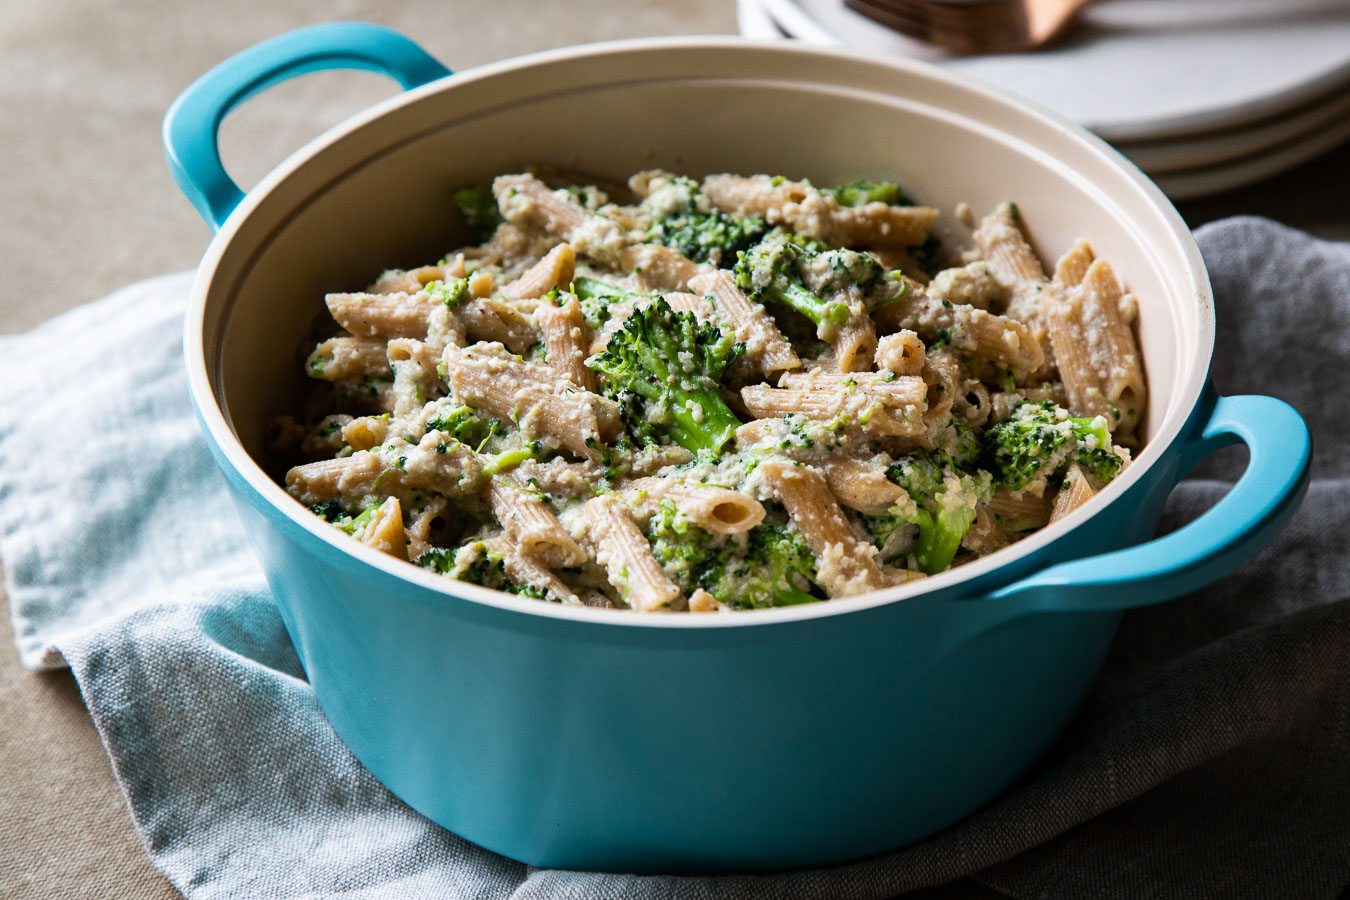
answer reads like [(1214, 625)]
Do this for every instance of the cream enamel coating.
[(367, 195)]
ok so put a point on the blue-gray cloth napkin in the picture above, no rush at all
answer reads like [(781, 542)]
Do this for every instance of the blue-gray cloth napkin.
[(1212, 759)]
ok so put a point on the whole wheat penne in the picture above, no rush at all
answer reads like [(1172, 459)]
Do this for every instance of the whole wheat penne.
[(1013, 262), (332, 479), (1076, 490), (1096, 352), (657, 268), (531, 523), (860, 486), (901, 353), (426, 522), (623, 550), (715, 509), (524, 199), (845, 563), (384, 529), (765, 347), (1002, 340), (884, 408), (969, 285), (554, 270), (985, 535), (348, 357), (1073, 265), (526, 570), (1021, 511), (383, 315), (565, 340), (942, 375), (812, 214), (854, 343), (492, 319), (536, 398), (397, 281)]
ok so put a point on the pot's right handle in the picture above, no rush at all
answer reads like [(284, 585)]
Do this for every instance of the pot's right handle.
[(1226, 536), (192, 124)]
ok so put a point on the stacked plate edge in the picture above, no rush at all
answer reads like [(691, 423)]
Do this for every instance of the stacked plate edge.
[(1203, 97)]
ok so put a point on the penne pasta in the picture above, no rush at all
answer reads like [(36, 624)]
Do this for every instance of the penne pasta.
[(808, 212), (902, 353), (382, 315), (348, 357), (846, 565), (1096, 351), (524, 570), (565, 341), (554, 270), (1076, 491), (384, 530), (811, 411), (624, 552), (860, 486), (999, 339), (537, 399), (767, 351), (531, 524)]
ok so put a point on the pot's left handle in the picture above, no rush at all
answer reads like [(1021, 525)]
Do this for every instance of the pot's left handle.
[(193, 122)]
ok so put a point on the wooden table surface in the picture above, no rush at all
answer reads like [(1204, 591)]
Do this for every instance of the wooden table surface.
[(87, 206)]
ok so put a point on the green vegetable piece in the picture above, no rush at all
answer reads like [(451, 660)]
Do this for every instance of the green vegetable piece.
[(480, 210), (663, 368), (452, 293), (945, 500), (858, 193), (466, 425), (775, 271), (1043, 438)]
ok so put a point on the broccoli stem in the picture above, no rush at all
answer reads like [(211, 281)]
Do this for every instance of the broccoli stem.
[(594, 288), (808, 304), (940, 537), (791, 596)]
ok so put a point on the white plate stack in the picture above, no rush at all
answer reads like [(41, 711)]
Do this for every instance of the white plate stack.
[(1204, 96)]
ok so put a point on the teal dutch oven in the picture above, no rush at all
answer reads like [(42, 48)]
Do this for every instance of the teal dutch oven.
[(602, 739)]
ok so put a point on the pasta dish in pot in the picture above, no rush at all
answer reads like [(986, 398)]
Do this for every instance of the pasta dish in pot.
[(715, 395)]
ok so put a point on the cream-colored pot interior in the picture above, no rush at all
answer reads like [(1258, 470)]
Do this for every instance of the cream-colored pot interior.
[(375, 194)]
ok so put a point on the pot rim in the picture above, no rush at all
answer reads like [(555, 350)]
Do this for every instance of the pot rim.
[(273, 499)]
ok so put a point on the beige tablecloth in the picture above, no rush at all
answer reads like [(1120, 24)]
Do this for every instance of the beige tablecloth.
[(86, 205)]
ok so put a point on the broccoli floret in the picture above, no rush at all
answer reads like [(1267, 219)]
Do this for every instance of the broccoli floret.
[(337, 515), (452, 293), (960, 446), (476, 564), (777, 270), (683, 549), (858, 193), (466, 425), (1042, 438), (777, 568), (596, 298), (330, 510), (927, 256), (480, 210), (711, 237), (944, 505), (684, 220), (663, 368), (772, 567)]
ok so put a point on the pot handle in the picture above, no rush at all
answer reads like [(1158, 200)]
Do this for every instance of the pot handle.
[(192, 124), (1226, 536)]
